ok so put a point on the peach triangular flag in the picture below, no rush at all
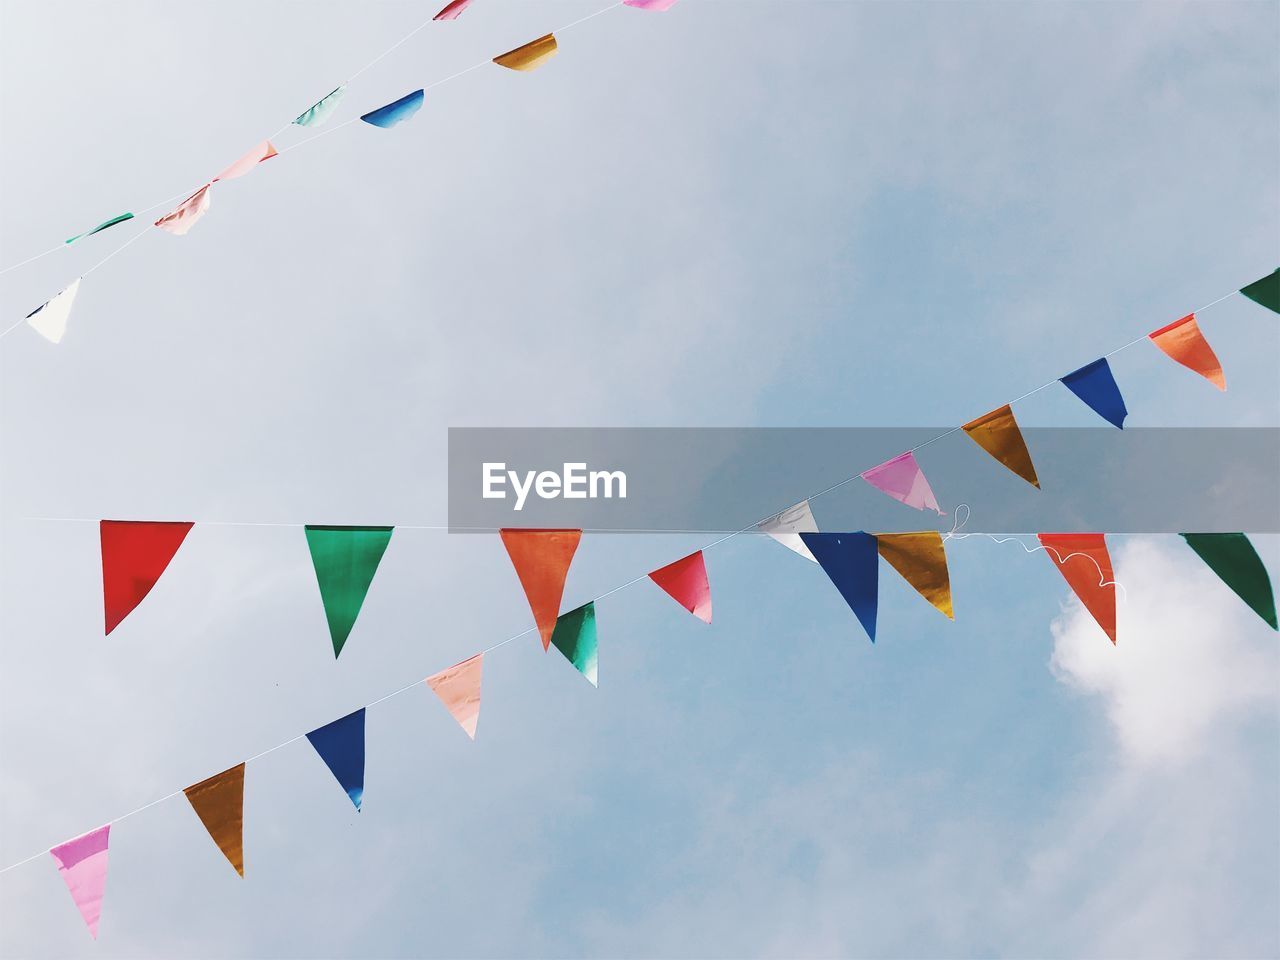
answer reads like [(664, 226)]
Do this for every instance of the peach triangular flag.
[(459, 690), (922, 561), (997, 433), (263, 151), (219, 803), (1183, 343), (541, 559), (185, 216)]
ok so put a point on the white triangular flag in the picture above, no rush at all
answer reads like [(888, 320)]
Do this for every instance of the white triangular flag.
[(50, 318), (787, 526)]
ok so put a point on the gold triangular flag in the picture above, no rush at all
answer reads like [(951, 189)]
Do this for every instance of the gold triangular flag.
[(531, 55), (997, 433), (922, 561), (219, 803)]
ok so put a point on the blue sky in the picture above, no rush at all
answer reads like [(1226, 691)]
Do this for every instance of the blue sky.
[(735, 213)]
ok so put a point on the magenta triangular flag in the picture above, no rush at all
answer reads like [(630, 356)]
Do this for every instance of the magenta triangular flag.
[(83, 865), (902, 479), (686, 582)]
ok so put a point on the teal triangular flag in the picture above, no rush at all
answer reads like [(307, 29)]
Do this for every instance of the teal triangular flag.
[(575, 637), (345, 558), (1232, 557), (1265, 292)]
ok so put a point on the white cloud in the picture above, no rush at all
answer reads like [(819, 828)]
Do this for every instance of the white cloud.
[(1188, 658)]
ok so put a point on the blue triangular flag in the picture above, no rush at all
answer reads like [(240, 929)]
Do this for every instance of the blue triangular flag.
[(394, 113), (853, 564), (341, 746), (1094, 384)]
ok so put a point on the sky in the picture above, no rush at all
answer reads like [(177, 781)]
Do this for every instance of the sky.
[(736, 213)]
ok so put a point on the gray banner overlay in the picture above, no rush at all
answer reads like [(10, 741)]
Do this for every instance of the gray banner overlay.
[(1140, 480)]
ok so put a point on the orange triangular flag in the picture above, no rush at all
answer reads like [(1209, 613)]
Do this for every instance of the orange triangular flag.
[(1084, 562), (1183, 343), (541, 559), (997, 433), (686, 583), (459, 690), (219, 803), (922, 561)]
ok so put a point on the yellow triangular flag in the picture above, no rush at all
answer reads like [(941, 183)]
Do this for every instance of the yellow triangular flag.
[(531, 55), (922, 561), (997, 433), (219, 803)]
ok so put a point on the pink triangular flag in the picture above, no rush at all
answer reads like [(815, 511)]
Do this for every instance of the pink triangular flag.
[(83, 865), (459, 690), (452, 10), (263, 151), (686, 582), (184, 216), (902, 479)]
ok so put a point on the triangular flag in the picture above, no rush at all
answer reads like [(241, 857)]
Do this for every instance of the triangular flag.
[(532, 54), (658, 5), (851, 561), (185, 216), (921, 559), (134, 555), (541, 559), (1183, 343), (787, 526), (102, 226), (50, 318), (1264, 292), (219, 803), (997, 433), (452, 10), (1096, 385), (83, 865), (319, 111), (345, 559), (686, 582), (1232, 557), (341, 746), (902, 479), (263, 151), (1085, 564), (575, 637), (459, 690), (396, 112)]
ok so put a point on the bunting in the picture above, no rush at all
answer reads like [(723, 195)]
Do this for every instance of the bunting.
[(1232, 557), (787, 526), (530, 56), (850, 560), (459, 690), (263, 151), (187, 214), (1182, 342), (902, 479), (541, 559), (219, 803), (105, 224), (320, 111), (341, 747), (345, 560), (453, 10), (50, 318), (685, 581), (1096, 386), (921, 559), (1085, 564), (575, 637), (659, 5), (397, 111), (1264, 292), (82, 863), (134, 555), (997, 433)]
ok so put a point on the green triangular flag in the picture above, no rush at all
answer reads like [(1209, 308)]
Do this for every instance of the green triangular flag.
[(575, 637), (1265, 291), (1232, 557), (345, 558)]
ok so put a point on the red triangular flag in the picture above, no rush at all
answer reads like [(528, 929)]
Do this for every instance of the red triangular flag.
[(1085, 564), (686, 582), (134, 554), (541, 559)]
